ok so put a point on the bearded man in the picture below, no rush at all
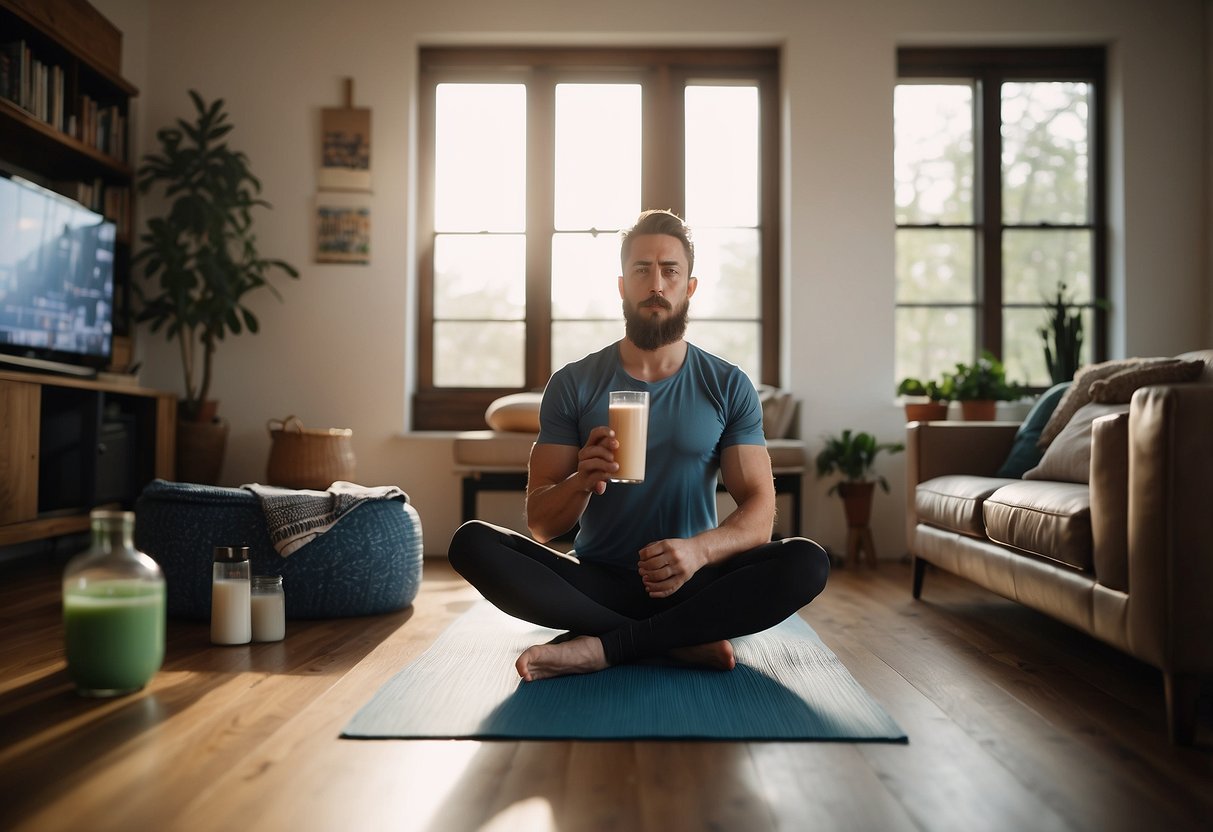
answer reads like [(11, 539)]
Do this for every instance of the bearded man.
[(653, 575)]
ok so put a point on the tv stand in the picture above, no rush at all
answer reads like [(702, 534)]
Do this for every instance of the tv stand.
[(72, 444), (41, 365)]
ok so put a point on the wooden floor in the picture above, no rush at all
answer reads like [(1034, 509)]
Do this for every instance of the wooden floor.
[(1015, 722)]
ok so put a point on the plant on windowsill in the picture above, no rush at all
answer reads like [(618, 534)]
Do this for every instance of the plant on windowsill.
[(981, 385), (199, 261), (926, 401), (1062, 338)]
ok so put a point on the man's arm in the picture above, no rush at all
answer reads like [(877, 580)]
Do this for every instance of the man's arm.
[(666, 565), (561, 479)]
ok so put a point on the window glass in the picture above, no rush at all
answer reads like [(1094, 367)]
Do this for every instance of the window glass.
[(1046, 152), (722, 135), (598, 130), (935, 265), (933, 153), (480, 157), (480, 276)]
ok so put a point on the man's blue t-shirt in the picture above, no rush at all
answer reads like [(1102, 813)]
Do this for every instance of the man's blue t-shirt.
[(705, 407)]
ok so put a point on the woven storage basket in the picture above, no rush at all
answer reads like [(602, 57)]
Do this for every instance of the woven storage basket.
[(308, 458)]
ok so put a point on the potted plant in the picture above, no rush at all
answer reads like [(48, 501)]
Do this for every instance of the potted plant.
[(925, 401), (853, 456), (1063, 338), (981, 385), (199, 262)]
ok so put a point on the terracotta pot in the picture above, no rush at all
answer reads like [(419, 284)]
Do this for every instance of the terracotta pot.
[(200, 448), (980, 410), (926, 411), (857, 502)]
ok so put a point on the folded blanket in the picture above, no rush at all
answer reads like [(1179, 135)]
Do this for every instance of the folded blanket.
[(295, 517)]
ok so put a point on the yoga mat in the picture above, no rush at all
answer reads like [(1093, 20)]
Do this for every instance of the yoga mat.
[(787, 686)]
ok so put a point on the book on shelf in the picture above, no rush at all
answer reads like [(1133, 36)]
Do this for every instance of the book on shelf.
[(41, 90)]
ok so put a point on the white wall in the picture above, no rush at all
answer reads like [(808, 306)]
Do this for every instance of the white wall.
[(337, 352)]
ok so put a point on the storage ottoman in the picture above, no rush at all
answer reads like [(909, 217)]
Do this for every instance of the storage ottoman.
[(369, 562)]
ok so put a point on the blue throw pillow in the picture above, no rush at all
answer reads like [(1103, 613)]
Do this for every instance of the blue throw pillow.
[(1024, 453)]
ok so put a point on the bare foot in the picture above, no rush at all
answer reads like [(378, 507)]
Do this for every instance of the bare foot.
[(543, 661), (716, 655)]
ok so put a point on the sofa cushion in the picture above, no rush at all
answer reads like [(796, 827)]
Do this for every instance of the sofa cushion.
[(954, 501), (1079, 394), (1024, 453), (778, 410), (1048, 519), (486, 449), (1119, 388), (1068, 458), (515, 412)]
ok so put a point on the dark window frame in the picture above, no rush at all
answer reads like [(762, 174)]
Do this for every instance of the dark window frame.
[(662, 71), (988, 68)]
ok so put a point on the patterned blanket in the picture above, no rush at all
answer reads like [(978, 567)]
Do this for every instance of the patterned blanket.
[(296, 517)]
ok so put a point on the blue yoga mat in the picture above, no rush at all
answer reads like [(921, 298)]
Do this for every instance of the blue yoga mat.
[(787, 686)]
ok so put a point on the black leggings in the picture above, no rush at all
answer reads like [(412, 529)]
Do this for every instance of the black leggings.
[(744, 594)]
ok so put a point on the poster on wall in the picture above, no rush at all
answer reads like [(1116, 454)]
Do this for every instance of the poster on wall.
[(345, 149), (343, 228)]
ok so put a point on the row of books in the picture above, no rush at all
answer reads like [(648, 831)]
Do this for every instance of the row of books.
[(40, 89), (113, 201)]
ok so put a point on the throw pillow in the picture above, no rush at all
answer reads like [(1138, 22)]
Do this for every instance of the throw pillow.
[(778, 408), (515, 412), (1119, 388), (1080, 393), (1068, 458), (1024, 453)]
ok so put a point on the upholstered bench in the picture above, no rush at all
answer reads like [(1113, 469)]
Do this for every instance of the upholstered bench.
[(496, 459), (369, 562)]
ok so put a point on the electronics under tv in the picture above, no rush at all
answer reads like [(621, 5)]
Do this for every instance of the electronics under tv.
[(56, 281)]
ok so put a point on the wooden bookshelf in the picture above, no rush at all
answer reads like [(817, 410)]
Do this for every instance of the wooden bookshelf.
[(65, 108), (65, 124)]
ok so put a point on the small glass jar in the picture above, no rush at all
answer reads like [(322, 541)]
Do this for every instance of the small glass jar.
[(230, 590), (269, 608), (113, 610)]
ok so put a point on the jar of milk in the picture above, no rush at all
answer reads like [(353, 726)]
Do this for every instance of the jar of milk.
[(231, 616), (269, 608), (113, 610)]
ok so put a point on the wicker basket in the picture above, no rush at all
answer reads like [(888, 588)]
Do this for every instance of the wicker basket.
[(308, 458)]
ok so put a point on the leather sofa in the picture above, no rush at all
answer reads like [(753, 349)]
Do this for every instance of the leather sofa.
[(1126, 556)]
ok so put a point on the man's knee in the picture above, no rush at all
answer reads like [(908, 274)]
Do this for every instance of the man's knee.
[(812, 565), (469, 540)]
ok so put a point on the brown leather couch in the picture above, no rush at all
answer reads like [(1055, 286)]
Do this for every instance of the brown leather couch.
[(1127, 557)]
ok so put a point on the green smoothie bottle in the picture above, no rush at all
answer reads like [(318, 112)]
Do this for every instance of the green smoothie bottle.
[(113, 610)]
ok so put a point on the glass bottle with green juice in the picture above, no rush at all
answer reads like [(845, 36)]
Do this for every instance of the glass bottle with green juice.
[(113, 610)]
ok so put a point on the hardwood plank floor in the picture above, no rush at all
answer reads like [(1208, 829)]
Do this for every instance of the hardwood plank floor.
[(1016, 722)]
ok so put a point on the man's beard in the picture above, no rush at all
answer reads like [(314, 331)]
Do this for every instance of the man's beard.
[(650, 332)]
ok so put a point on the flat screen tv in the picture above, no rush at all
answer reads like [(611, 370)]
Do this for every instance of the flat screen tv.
[(56, 280)]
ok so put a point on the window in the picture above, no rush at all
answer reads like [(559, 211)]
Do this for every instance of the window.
[(999, 194), (532, 162)]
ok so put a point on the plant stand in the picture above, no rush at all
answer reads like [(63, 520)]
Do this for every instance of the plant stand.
[(857, 504), (859, 540)]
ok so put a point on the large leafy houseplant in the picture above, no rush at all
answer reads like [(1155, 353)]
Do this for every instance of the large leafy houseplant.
[(201, 258), (853, 456)]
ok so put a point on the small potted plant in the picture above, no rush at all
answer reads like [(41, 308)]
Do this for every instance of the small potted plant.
[(853, 456), (926, 401), (1062, 338), (199, 261), (981, 385)]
